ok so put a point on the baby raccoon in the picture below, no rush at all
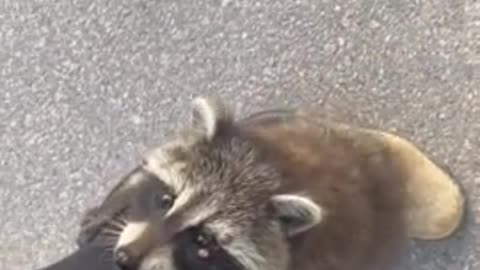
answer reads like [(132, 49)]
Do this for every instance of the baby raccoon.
[(278, 190)]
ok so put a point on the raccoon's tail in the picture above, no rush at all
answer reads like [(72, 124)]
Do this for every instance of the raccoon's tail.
[(435, 201)]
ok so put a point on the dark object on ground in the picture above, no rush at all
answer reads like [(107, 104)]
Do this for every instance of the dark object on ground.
[(90, 257)]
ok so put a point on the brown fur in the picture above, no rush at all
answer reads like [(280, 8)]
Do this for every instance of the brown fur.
[(352, 176), (435, 203)]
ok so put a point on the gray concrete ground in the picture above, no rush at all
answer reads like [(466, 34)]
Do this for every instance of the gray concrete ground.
[(86, 86)]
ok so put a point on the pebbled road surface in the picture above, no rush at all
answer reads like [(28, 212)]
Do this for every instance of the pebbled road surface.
[(86, 86)]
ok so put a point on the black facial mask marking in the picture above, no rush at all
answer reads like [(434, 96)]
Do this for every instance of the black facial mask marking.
[(194, 250)]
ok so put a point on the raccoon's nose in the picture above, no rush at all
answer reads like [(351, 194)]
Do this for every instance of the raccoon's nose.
[(125, 259)]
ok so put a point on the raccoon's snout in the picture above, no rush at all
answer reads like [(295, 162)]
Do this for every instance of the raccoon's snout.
[(125, 259), (136, 241)]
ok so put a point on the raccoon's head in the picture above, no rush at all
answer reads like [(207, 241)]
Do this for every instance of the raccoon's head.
[(208, 200)]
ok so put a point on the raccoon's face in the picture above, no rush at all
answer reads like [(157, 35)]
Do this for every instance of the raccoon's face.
[(208, 201)]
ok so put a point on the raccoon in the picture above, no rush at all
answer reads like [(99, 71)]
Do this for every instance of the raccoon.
[(277, 190)]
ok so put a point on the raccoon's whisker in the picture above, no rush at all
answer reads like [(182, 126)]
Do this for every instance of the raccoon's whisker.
[(121, 216), (111, 235), (116, 224), (111, 241), (122, 219), (111, 232), (105, 240), (112, 229)]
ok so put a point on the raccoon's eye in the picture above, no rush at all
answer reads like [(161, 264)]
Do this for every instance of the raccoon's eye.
[(163, 201)]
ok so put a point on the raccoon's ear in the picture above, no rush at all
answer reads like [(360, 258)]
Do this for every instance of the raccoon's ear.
[(210, 114), (296, 213)]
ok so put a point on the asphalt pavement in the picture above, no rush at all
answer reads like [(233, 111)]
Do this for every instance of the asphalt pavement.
[(87, 86)]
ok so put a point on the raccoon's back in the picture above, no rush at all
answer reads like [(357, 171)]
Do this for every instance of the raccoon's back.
[(347, 172)]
